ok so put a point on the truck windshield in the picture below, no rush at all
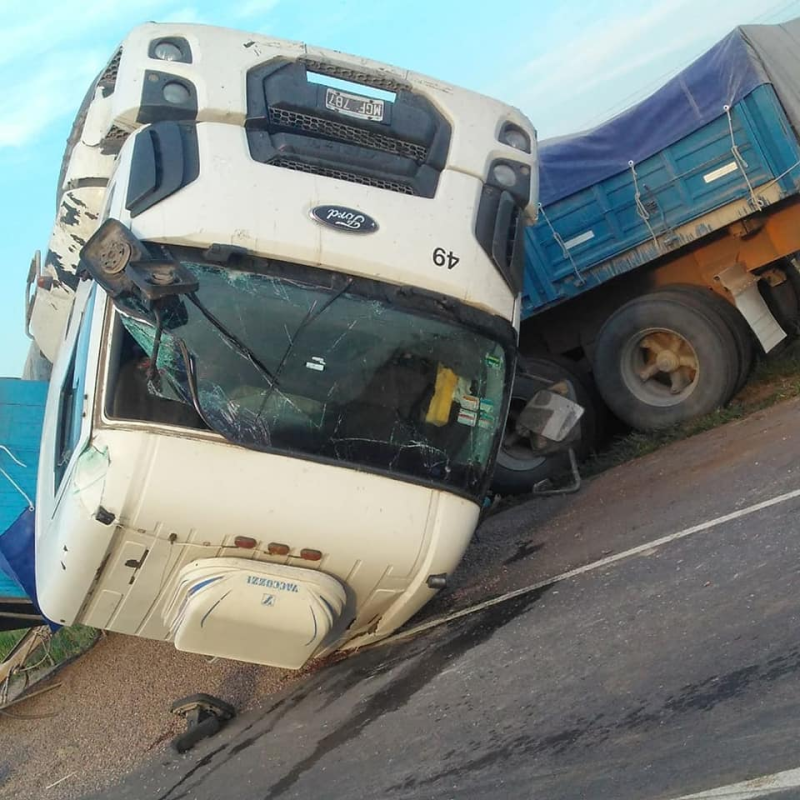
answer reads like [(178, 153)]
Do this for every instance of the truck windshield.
[(345, 373)]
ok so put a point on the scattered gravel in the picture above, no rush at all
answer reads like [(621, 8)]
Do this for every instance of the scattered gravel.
[(111, 711)]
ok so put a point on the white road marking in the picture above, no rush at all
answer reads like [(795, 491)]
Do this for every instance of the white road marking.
[(758, 787), (648, 548)]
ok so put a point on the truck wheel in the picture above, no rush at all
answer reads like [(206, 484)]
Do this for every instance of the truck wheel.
[(664, 358), (518, 466), (735, 322)]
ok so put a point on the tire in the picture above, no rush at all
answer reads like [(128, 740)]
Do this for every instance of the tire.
[(516, 471), (694, 379), (736, 323), (782, 301)]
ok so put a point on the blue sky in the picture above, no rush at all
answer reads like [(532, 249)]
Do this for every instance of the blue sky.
[(568, 64)]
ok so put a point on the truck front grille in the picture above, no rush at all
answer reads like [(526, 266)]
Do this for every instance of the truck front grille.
[(290, 124), (346, 133), (342, 175)]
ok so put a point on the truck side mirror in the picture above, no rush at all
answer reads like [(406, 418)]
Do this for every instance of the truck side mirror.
[(108, 252)]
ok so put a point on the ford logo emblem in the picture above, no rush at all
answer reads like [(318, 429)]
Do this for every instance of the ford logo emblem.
[(344, 219)]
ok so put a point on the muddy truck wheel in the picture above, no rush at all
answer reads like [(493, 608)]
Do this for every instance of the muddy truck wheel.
[(519, 465), (664, 358), (737, 325)]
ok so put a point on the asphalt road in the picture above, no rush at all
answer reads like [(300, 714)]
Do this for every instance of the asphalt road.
[(667, 672)]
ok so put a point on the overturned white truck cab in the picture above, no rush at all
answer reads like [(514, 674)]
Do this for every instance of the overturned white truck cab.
[(282, 383)]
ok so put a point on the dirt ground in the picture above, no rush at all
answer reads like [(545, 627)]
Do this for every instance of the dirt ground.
[(112, 710)]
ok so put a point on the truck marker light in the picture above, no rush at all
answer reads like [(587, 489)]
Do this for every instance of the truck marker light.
[(245, 542), (311, 555), (275, 549)]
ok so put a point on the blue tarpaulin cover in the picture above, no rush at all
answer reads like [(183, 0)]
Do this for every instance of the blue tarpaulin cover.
[(21, 418), (749, 56), (17, 546)]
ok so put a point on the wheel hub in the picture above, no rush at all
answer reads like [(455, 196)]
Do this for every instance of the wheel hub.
[(665, 364), (667, 361)]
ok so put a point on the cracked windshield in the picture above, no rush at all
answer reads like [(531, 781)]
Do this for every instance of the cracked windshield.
[(327, 373)]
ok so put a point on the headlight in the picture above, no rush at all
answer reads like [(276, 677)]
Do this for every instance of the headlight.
[(171, 48), (504, 175), (176, 93), (166, 97), (513, 177), (515, 137), (167, 51)]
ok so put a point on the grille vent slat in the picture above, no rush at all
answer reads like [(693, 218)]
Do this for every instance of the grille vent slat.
[(115, 137), (108, 78), (346, 133), (355, 76), (342, 175)]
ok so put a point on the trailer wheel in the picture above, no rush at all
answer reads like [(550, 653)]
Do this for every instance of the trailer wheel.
[(519, 467), (664, 358), (735, 322)]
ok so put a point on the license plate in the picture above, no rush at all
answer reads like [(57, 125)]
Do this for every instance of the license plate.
[(352, 105)]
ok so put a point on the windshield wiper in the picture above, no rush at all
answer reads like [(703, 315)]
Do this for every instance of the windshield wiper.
[(191, 382), (234, 340), (312, 314)]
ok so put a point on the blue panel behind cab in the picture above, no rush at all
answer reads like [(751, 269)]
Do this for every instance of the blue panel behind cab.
[(21, 417)]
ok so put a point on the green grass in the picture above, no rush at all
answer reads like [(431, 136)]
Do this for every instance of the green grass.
[(772, 381), (7, 641), (66, 643)]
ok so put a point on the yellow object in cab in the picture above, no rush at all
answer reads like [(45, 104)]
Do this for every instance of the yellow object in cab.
[(442, 400)]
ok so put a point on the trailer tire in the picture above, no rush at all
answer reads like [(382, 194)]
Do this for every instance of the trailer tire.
[(664, 358), (782, 300), (735, 322), (516, 472)]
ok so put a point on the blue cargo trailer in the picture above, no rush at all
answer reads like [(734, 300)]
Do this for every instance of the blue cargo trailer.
[(662, 258), (664, 202)]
